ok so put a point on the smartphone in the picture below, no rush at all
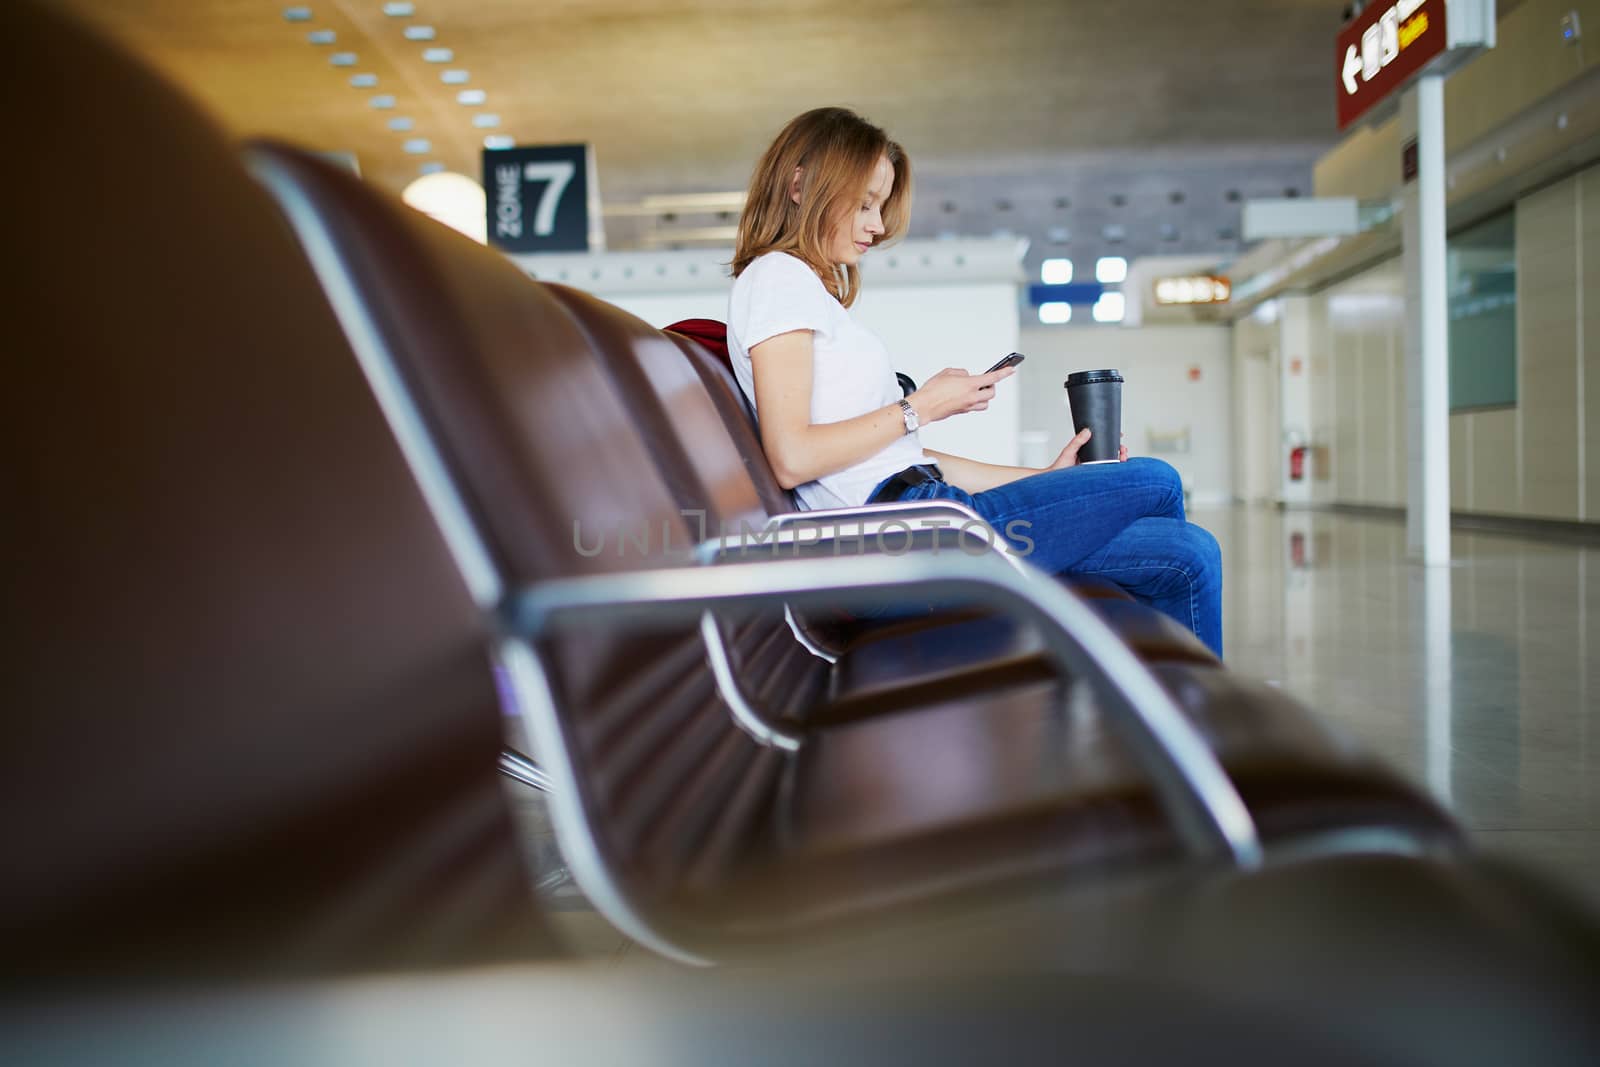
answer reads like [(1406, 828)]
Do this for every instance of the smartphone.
[(1010, 361)]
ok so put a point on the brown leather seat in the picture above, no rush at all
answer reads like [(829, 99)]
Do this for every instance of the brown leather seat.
[(665, 807), (250, 722), (701, 435)]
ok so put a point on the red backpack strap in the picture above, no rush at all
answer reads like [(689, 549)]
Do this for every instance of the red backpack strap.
[(709, 332)]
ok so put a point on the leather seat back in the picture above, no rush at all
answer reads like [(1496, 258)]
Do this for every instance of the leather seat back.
[(250, 721), (558, 479)]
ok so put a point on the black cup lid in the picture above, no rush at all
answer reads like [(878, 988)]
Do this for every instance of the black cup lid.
[(1090, 377)]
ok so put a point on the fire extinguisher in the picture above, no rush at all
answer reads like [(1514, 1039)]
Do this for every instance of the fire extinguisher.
[(1297, 463)]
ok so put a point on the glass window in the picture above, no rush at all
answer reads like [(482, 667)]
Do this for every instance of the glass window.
[(1481, 265)]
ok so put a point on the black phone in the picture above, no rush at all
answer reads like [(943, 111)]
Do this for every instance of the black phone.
[(1009, 361)]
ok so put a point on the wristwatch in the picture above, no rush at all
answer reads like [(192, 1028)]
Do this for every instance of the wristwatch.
[(909, 413)]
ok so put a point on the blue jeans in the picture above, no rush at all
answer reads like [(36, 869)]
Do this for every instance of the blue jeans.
[(1120, 522)]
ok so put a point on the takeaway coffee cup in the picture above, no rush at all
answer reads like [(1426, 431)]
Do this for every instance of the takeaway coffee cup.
[(1096, 400)]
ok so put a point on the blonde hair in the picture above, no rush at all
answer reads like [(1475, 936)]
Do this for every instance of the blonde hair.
[(836, 151)]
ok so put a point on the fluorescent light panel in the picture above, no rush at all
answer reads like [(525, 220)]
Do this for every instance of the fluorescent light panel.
[(1055, 271), (1110, 270), (1109, 308), (1055, 312)]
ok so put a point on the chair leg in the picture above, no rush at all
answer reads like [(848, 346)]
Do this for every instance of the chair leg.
[(520, 768)]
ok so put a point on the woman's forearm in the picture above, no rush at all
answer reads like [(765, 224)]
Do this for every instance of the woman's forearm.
[(806, 453), (974, 476)]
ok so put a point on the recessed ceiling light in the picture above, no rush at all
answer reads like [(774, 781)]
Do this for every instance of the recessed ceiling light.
[(1109, 308), (454, 77), (486, 121), (401, 124), (419, 33), (433, 166), (1055, 271), (437, 55), (1110, 270), (343, 59), (383, 101), (363, 81), (419, 146), (399, 10), (499, 140), (471, 97), (321, 36), (1055, 311), (297, 14)]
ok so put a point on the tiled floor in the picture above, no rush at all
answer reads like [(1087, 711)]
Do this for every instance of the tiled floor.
[(1477, 680)]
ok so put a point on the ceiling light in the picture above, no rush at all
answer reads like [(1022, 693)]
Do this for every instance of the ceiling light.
[(1055, 271), (383, 101), (437, 55), (321, 36), (486, 121), (419, 33), (363, 81), (499, 140), (1110, 270), (418, 146), (1109, 307), (1058, 235), (1055, 312), (454, 77), (401, 124), (453, 199), (343, 59), (471, 97), (1114, 233), (297, 14), (399, 10)]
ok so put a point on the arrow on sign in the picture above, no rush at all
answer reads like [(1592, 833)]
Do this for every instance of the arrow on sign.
[(1352, 66)]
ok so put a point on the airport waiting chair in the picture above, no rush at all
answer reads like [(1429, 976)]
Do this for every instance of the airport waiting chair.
[(250, 722), (689, 834), (252, 734)]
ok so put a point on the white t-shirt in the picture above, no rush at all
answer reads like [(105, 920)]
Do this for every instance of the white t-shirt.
[(850, 369)]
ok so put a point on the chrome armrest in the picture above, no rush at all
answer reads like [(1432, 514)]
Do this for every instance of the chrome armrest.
[(1207, 811), (877, 521)]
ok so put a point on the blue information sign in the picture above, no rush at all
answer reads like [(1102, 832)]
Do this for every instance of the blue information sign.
[(538, 197)]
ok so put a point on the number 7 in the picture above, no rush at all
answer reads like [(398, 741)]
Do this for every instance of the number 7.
[(558, 175)]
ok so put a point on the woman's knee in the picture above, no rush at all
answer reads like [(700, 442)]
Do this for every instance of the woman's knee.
[(1160, 473), (1201, 550)]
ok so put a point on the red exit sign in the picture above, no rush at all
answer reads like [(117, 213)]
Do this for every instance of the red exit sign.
[(1382, 48)]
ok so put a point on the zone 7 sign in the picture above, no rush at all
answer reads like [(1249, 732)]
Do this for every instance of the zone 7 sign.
[(538, 198)]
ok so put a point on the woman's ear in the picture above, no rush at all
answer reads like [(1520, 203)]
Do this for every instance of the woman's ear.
[(794, 186)]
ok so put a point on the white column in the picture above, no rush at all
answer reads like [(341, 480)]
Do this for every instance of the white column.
[(1427, 328)]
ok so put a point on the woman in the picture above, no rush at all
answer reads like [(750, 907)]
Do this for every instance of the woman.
[(832, 419)]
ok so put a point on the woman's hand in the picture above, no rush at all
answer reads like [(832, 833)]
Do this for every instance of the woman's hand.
[(954, 392), (1069, 455)]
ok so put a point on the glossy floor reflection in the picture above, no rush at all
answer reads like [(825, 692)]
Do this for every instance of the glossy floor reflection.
[(1477, 680)]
